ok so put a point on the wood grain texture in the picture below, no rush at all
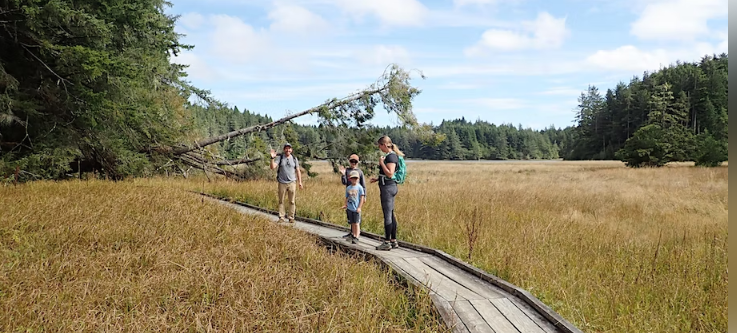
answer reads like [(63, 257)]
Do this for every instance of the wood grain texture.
[(461, 277), (473, 320), (518, 318), (493, 317)]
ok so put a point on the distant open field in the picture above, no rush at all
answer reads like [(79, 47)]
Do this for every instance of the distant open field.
[(146, 256), (611, 249)]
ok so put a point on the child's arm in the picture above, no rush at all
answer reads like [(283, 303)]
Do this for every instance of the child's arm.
[(360, 204), (345, 203), (344, 177)]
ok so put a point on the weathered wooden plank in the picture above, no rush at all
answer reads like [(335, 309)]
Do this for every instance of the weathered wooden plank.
[(483, 288), (493, 317), (541, 321), (450, 317), (321, 231), (246, 210), (473, 320), (441, 282), (518, 318), (406, 253), (427, 280)]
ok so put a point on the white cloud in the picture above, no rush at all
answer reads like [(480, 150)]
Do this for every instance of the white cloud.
[(677, 20), (225, 41), (296, 19), (389, 12), (191, 20), (198, 69), (237, 41), (383, 55), (460, 3), (724, 45), (546, 32), (521, 67), (630, 58), (281, 93), (483, 3)]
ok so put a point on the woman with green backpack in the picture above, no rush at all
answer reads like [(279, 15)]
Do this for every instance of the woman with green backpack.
[(391, 173)]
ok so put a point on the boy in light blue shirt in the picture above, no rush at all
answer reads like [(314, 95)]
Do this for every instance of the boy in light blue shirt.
[(355, 196)]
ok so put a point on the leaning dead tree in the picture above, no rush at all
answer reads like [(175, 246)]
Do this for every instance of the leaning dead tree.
[(392, 91)]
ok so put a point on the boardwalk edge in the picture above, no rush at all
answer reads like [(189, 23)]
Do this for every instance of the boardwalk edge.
[(557, 320)]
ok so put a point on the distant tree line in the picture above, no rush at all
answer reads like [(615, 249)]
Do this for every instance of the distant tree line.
[(455, 140), (678, 113)]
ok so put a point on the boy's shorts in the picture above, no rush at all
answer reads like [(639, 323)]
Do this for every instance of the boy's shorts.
[(353, 217)]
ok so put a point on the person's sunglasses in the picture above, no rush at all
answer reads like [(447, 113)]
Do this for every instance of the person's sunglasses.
[(353, 161)]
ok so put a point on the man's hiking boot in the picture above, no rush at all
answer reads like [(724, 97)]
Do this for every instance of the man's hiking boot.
[(385, 246), (291, 221), (395, 245)]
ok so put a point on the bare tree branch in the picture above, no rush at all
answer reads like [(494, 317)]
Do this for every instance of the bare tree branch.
[(63, 80), (238, 161)]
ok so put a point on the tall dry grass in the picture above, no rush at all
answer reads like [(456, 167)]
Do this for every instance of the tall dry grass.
[(611, 249), (147, 256)]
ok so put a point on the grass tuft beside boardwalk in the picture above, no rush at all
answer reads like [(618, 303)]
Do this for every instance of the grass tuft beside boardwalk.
[(610, 249), (148, 256)]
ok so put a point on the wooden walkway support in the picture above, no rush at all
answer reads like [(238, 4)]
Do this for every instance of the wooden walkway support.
[(467, 298)]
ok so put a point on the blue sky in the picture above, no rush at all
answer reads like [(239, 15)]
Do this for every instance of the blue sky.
[(502, 61)]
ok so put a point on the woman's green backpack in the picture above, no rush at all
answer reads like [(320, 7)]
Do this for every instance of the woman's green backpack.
[(401, 171)]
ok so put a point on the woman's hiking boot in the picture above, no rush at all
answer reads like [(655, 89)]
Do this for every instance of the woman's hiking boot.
[(385, 246)]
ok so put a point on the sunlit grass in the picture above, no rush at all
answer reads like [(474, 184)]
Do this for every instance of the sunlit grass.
[(147, 256), (611, 249)]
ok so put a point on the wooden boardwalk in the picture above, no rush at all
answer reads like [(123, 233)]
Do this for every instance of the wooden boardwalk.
[(468, 299)]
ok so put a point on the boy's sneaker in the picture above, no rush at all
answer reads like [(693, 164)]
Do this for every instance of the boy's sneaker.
[(348, 236), (385, 246), (395, 245), (354, 240)]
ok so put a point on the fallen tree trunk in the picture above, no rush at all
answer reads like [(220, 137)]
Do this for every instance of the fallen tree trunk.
[(239, 161), (198, 163), (333, 104)]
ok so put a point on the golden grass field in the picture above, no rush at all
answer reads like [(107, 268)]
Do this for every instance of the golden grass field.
[(609, 248), (148, 256)]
